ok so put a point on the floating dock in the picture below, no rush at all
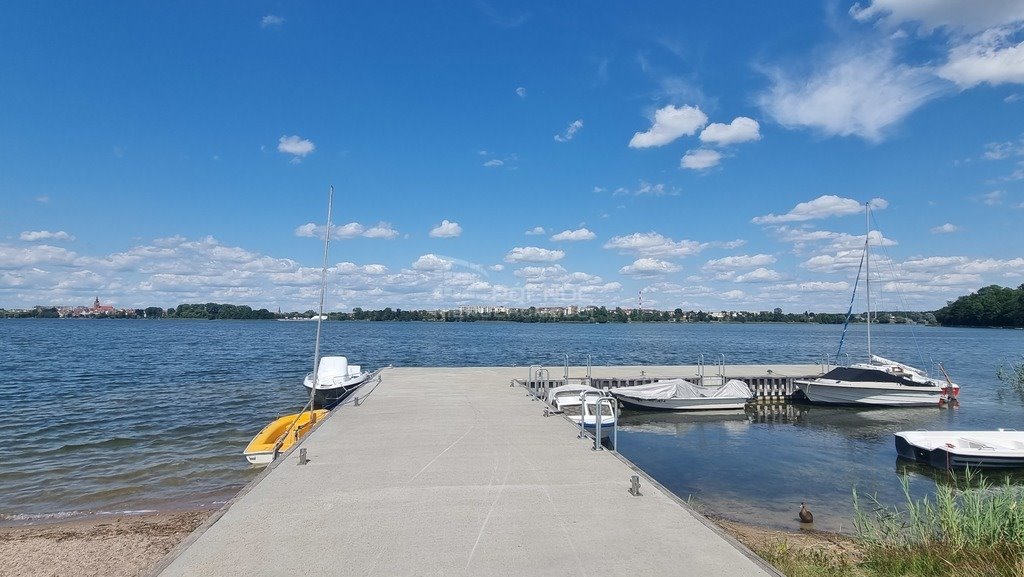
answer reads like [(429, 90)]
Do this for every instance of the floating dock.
[(453, 471), (769, 383)]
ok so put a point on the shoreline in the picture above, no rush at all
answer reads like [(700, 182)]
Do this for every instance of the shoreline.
[(133, 545), (114, 545)]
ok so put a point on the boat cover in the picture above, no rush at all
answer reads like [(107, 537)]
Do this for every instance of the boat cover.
[(683, 389), (907, 368)]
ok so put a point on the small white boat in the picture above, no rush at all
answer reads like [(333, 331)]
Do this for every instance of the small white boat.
[(336, 380), (682, 395), (568, 395), (882, 383), (580, 402), (1000, 449)]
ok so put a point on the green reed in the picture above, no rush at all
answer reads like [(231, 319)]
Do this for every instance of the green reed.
[(976, 530)]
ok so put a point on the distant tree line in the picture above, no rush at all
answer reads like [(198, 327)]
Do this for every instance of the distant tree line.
[(215, 311), (620, 315), (218, 311), (991, 306)]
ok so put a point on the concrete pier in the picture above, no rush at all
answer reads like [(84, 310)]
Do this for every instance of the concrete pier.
[(450, 471)]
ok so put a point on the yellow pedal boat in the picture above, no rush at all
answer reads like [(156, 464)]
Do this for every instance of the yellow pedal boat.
[(287, 430)]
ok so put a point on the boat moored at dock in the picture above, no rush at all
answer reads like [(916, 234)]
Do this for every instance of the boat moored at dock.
[(336, 380), (1000, 449), (279, 436), (682, 395), (580, 403), (883, 383)]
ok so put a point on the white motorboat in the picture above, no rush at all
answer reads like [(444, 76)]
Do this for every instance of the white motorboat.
[(336, 380), (682, 395), (1000, 449), (882, 383), (580, 403), (879, 382)]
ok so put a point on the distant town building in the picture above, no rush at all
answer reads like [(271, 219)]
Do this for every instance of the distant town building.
[(97, 308)]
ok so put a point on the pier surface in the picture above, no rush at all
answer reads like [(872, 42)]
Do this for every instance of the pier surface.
[(450, 471)]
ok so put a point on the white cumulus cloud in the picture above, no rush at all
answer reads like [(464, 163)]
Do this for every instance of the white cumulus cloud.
[(649, 267), (739, 261), (733, 295), (573, 235), (954, 14), (945, 228), (760, 274), (432, 262), (669, 124), (533, 254), (653, 244), (822, 207), (741, 129), (700, 159), (536, 231), (381, 230), (991, 57), (297, 146), (447, 229), (36, 235), (350, 230), (521, 92)]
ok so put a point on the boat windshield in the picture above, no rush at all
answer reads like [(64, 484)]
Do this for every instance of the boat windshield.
[(606, 409)]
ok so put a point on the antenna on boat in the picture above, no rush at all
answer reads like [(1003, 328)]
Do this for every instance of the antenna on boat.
[(323, 290), (867, 268)]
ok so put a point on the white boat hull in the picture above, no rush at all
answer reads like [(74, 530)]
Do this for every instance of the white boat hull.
[(874, 394), (963, 449), (699, 404), (260, 458)]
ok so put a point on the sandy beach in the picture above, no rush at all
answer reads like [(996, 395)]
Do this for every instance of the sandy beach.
[(116, 546), (130, 546)]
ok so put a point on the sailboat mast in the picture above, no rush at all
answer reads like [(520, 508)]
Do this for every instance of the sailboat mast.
[(323, 290), (867, 269)]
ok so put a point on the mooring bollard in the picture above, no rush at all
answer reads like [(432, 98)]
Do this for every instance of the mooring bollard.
[(302, 457), (635, 488)]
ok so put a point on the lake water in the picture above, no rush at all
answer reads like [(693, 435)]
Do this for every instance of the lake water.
[(110, 416)]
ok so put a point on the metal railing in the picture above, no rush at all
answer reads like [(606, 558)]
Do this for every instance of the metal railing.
[(599, 402)]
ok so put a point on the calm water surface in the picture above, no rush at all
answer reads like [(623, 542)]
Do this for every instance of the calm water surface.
[(105, 416)]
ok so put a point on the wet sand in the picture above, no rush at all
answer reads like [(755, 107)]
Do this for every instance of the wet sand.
[(124, 546)]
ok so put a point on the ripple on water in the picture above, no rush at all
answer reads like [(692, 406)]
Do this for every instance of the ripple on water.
[(129, 415)]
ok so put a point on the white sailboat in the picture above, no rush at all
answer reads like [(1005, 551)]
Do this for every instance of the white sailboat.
[(880, 381)]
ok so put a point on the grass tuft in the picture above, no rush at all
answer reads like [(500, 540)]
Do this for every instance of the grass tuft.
[(804, 562)]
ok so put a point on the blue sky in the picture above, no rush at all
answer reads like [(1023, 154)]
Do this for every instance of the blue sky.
[(715, 156)]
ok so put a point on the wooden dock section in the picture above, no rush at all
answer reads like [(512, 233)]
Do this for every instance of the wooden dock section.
[(452, 471)]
